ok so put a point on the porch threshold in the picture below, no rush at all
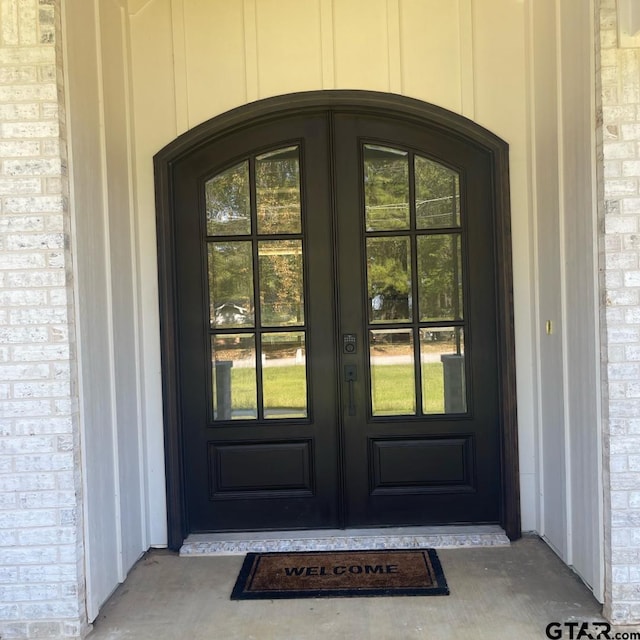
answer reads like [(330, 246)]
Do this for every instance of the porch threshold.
[(442, 537)]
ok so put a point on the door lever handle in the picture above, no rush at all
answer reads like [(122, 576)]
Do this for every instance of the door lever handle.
[(350, 376)]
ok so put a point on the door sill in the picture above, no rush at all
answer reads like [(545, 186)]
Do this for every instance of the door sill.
[(442, 537)]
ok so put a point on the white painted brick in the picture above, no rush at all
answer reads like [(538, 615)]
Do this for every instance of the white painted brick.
[(612, 151), (623, 260), (23, 519), (22, 261), (631, 168), (621, 224), (33, 444), (630, 206), (34, 204), (53, 462), (33, 371), (40, 353), (620, 188), (32, 167), (18, 242), (47, 536), (50, 130), (622, 297)]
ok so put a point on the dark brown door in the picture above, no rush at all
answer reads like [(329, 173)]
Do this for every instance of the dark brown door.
[(336, 322)]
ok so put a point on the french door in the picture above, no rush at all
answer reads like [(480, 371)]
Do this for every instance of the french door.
[(337, 338)]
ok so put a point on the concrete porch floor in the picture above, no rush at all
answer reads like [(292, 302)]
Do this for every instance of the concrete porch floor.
[(498, 593)]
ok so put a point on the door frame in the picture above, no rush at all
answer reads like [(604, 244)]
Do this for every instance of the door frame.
[(354, 102)]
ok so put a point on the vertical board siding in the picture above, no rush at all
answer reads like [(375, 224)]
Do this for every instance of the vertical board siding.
[(581, 302), (546, 134), (91, 260), (289, 50), (154, 118), (215, 58), (116, 109), (430, 41), (361, 45)]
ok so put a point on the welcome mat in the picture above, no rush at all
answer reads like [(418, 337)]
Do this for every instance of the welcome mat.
[(336, 574)]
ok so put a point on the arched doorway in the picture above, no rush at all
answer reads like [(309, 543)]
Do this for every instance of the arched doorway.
[(336, 318)]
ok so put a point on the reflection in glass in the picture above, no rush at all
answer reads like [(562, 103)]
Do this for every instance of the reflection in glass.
[(234, 377), (278, 191), (389, 279), (227, 202), (437, 195), (386, 188), (230, 284), (284, 375), (443, 375), (440, 277), (392, 372), (281, 286)]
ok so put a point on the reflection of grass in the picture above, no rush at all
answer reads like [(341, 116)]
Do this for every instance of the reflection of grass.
[(393, 389), (285, 388)]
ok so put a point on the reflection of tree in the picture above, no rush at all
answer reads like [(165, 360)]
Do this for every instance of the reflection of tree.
[(437, 194), (281, 282), (389, 278), (231, 277), (439, 268), (278, 191), (386, 188), (227, 201)]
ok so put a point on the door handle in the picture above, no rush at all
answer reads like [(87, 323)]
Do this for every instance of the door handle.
[(350, 376)]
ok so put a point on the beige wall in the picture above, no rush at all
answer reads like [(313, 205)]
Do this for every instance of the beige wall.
[(498, 62)]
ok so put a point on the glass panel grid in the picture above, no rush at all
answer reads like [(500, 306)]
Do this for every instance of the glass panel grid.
[(421, 267), (257, 372)]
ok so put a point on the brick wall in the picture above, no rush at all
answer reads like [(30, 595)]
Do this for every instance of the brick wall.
[(41, 579), (618, 91)]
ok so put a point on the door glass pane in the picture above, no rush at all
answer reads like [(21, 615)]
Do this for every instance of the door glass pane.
[(437, 195), (389, 279), (281, 282), (234, 377), (386, 188), (284, 375), (392, 372), (228, 203), (440, 277), (443, 375), (230, 284), (278, 191)]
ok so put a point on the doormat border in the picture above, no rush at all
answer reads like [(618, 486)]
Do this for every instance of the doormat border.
[(440, 587)]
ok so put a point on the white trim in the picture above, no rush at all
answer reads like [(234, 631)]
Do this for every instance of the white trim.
[(135, 284), (117, 489), (598, 587), (86, 542), (535, 270), (566, 417)]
